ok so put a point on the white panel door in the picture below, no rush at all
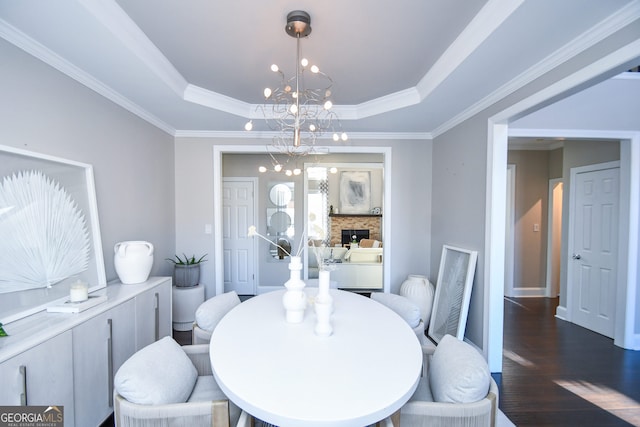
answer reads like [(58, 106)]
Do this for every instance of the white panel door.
[(238, 214), (594, 260)]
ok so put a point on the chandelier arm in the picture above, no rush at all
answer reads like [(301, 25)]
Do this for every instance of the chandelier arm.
[(299, 115)]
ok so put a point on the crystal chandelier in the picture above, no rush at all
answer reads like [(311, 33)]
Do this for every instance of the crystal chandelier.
[(297, 111)]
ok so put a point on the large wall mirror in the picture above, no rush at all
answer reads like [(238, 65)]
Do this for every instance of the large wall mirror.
[(344, 204), (286, 206)]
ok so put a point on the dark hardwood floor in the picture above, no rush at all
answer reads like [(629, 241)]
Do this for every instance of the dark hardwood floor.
[(558, 374)]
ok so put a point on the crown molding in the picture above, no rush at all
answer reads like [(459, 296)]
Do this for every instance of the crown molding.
[(534, 146), (490, 17), (270, 135), (587, 39), (572, 133), (114, 19), (207, 98), (21, 40), (383, 104)]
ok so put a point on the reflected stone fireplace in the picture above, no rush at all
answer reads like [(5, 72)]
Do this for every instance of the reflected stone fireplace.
[(340, 222)]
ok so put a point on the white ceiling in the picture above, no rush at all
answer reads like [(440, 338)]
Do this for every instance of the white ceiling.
[(411, 67)]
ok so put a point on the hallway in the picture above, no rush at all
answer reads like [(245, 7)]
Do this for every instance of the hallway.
[(558, 374)]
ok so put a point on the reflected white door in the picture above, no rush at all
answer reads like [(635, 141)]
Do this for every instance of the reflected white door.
[(238, 213), (594, 260)]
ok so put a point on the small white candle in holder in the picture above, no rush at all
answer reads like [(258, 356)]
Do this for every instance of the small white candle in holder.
[(79, 291)]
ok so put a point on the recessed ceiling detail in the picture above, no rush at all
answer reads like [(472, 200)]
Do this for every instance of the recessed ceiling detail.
[(416, 68)]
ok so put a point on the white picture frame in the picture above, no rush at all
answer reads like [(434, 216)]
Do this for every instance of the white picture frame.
[(77, 180), (453, 293)]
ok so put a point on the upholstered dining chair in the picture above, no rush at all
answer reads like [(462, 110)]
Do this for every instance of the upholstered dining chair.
[(209, 313), (166, 384), (457, 389), (406, 309)]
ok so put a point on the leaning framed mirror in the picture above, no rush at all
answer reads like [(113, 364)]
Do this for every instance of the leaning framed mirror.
[(453, 293)]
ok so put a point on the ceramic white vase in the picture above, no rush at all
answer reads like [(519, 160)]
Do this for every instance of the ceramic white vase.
[(133, 261), (294, 299), (419, 290), (324, 283), (323, 305), (323, 318)]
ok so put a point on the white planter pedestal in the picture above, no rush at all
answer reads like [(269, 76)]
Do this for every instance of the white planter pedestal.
[(185, 303)]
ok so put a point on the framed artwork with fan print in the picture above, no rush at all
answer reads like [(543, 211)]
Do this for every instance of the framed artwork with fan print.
[(50, 231), (453, 293)]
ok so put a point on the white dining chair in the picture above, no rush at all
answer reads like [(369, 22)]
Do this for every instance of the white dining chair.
[(209, 314), (166, 384)]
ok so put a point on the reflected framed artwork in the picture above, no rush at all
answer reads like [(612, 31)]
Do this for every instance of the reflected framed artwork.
[(355, 192)]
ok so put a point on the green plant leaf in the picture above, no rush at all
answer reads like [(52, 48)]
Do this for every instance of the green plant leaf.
[(187, 260)]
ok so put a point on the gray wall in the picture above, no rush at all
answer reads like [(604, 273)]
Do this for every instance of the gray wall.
[(458, 205), (45, 111), (410, 197)]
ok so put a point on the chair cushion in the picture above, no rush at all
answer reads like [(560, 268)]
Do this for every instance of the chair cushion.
[(158, 374), (206, 389), (213, 310), (423, 392), (403, 306), (457, 372)]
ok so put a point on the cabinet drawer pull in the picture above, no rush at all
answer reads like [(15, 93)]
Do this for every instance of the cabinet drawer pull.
[(110, 361), (23, 395), (157, 313)]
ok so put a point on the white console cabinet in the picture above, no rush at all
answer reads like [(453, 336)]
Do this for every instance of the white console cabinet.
[(70, 359), (358, 275), (153, 321), (40, 375)]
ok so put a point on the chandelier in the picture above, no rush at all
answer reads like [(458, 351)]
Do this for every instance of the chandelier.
[(298, 111)]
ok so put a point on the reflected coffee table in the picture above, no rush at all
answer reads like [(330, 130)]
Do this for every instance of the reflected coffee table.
[(284, 374)]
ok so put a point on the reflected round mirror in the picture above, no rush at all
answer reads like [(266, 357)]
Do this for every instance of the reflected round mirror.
[(280, 221), (280, 195)]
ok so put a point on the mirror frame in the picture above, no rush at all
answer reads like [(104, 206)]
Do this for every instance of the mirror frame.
[(453, 293), (219, 150)]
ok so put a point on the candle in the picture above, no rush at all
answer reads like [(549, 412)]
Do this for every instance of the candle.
[(78, 292)]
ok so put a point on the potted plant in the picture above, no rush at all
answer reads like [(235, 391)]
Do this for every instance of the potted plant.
[(186, 271)]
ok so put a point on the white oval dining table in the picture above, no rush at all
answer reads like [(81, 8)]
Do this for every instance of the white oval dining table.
[(284, 374)]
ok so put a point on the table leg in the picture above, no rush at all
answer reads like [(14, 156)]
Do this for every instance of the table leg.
[(392, 421)]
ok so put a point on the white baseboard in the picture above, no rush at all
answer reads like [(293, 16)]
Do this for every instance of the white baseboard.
[(529, 292), (635, 342), (561, 312)]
